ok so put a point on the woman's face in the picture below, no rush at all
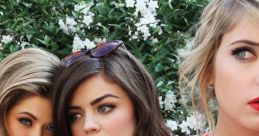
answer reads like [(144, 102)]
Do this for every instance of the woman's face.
[(236, 76), (31, 116), (100, 107)]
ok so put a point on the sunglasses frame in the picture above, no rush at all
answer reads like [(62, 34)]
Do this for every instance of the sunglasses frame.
[(101, 50)]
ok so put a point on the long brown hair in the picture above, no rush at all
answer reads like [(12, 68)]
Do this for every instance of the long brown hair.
[(125, 70)]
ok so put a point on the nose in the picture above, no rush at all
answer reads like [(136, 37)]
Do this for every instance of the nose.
[(91, 125), (36, 132)]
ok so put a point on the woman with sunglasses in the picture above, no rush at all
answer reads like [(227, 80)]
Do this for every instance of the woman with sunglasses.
[(224, 65), (106, 91), (25, 107)]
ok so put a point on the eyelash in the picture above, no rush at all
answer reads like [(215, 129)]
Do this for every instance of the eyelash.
[(236, 52), (102, 108), (25, 121)]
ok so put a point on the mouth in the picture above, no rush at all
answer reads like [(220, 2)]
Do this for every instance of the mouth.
[(254, 104)]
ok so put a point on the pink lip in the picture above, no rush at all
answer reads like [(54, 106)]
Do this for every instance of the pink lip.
[(254, 104)]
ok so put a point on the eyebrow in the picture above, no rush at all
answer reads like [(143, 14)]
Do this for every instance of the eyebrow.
[(246, 42), (95, 101), (99, 99), (32, 116)]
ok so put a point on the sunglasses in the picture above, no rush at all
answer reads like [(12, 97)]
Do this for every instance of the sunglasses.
[(101, 50)]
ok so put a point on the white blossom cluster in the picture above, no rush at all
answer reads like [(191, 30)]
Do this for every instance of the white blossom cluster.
[(147, 11), (169, 101), (79, 44), (71, 24), (192, 123), (85, 20), (5, 39)]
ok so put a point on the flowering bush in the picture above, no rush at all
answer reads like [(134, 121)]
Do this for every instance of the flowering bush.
[(152, 30)]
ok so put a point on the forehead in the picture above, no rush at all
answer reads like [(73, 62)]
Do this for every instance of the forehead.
[(38, 106), (245, 29), (97, 86)]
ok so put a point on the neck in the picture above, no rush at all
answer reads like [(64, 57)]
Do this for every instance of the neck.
[(226, 126)]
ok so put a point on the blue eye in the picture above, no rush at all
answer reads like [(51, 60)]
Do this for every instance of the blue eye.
[(25, 121), (105, 108), (74, 116), (244, 53)]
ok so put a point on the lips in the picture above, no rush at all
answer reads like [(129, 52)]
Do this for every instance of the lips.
[(254, 104)]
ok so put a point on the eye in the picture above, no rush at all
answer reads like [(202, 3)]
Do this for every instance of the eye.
[(50, 128), (105, 108), (25, 121), (74, 116), (244, 53)]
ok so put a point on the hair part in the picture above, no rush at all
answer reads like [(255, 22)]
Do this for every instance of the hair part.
[(25, 72)]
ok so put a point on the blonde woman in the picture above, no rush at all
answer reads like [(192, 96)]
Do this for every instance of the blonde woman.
[(225, 59), (25, 108)]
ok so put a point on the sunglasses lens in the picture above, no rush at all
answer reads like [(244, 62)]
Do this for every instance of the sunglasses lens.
[(70, 59), (105, 49)]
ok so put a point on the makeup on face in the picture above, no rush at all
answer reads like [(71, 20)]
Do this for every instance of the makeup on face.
[(31, 116), (254, 103), (100, 106), (236, 78)]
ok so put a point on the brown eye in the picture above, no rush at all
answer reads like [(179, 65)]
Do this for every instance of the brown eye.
[(50, 128), (25, 121), (74, 116)]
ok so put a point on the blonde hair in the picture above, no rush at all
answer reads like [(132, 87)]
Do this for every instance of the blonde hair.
[(218, 17), (28, 71)]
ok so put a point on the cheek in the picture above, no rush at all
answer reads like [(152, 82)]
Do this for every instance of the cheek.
[(15, 129), (121, 119), (77, 128), (229, 84)]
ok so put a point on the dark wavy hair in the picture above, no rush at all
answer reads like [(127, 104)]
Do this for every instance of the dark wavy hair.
[(125, 70)]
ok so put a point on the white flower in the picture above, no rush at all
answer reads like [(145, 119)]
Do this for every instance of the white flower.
[(23, 44), (6, 39), (83, 7), (153, 5), (154, 40), (147, 10), (130, 3), (62, 26), (161, 103), (69, 26), (194, 122), (145, 31), (79, 44), (99, 40), (170, 100), (160, 32), (173, 125), (184, 127), (70, 21), (188, 47), (88, 19)]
